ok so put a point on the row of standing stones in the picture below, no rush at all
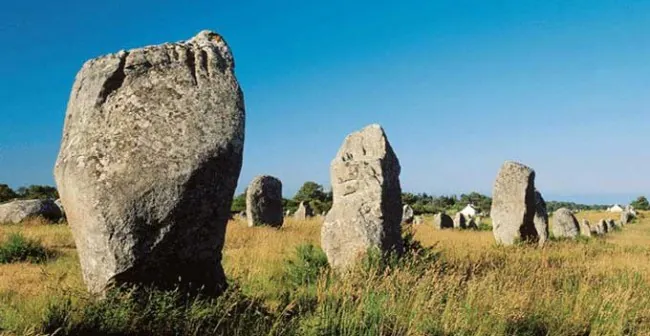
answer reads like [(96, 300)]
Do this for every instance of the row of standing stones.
[(151, 154)]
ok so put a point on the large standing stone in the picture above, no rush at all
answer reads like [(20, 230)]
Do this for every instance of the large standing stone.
[(17, 211), (149, 161), (513, 204), (304, 211), (565, 224), (443, 221), (407, 214), (585, 228), (367, 209), (460, 222), (541, 218), (264, 202)]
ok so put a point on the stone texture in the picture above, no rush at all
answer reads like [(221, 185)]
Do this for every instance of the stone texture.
[(304, 211), (595, 230), (460, 222), (541, 218), (471, 223), (264, 202), (443, 221), (611, 224), (417, 220), (585, 228), (626, 217), (367, 208), (565, 224), (17, 211), (514, 204), (149, 160), (407, 214), (603, 227)]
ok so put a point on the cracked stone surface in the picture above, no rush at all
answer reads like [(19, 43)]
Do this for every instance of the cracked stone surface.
[(264, 202), (149, 161), (514, 204), (367, 209)]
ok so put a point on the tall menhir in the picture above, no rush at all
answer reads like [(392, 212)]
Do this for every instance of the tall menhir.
[(149, 161)]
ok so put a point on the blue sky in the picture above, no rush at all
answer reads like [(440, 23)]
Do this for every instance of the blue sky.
[(459, 86)]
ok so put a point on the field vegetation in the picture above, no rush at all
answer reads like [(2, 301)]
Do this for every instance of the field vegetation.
[(449, 283)]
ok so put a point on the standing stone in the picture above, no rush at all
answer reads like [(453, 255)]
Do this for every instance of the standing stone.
[(603, 226), (595, 230), (407, 214), (18, 211), (514, 204), (611, 224), (367, 209), (149, 161), (417, 220), (585, 229), (541, 218), (471, 223), (304, 211), (264, 202), (565, 225), (460, 222), (443, 221), (626, 217)]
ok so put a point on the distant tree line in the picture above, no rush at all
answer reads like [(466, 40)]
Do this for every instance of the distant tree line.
[(30, 192), (310, 192), (424, 203), (552, 206)]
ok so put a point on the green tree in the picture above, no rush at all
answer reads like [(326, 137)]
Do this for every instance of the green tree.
[(6, 193), (641, 203), (313, 193), (239, 203), (38, 192)]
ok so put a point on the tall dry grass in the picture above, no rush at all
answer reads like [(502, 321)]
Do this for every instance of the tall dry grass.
[(461, 283)]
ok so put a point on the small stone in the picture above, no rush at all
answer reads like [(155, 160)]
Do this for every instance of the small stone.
[(460, 222), (443, 221), (304, 212), (17, 211), (407, 214), (264, 202), (565, 225), (585, 229)]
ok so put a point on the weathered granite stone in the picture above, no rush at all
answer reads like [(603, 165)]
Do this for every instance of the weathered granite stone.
[(417, 220), (514, 204), (585, 228), (367, 209), (264, 202), (626, 217), (407, 214), (304, 211), (443, 221), (17, 211), (149, 161), (565, 224), (541, 218), (460, 222)]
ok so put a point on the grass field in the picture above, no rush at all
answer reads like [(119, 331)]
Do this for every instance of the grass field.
[(458, 283)]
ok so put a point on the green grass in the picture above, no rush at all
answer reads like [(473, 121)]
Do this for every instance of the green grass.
[(16, 248)]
